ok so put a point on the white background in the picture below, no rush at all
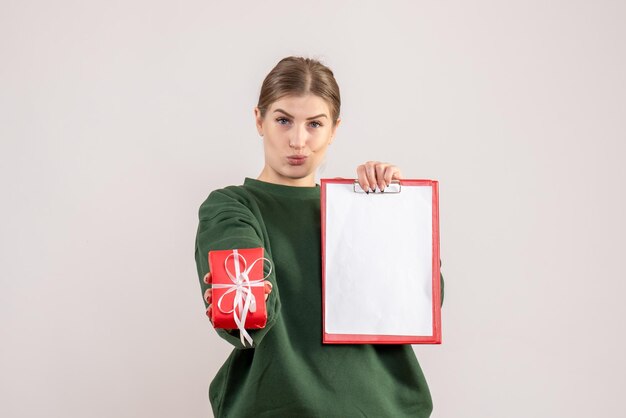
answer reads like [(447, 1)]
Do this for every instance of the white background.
[(117, 118)]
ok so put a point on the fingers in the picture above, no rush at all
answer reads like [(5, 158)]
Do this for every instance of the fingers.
[(362, 178), (374, 174), (370, 173), (380, 176), (366, 174), (397, 175), (208, 297), (392, 173), (209, 313), (268, 288)]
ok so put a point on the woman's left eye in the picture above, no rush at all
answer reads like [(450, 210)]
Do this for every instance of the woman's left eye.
[(316, 124)]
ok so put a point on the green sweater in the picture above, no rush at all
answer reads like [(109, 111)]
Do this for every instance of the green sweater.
[(289, 372)]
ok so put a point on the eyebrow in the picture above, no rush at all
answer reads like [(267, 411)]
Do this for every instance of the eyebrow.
[(321, 115)]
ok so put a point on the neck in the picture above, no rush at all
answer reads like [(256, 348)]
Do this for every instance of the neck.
[(272, 177)]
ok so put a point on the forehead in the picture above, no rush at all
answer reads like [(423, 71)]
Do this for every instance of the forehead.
[(302, 106)]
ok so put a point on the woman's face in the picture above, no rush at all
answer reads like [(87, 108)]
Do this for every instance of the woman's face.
[(296, 132)]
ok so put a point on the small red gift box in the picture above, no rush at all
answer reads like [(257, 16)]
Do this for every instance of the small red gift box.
[(238, 294)]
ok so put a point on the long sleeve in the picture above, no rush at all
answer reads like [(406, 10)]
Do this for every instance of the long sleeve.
[(227, 222)]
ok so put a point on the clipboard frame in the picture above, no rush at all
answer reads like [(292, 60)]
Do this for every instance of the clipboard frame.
[(435, 338)]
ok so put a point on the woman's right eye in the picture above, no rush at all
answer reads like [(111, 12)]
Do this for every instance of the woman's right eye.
[(282, 121)]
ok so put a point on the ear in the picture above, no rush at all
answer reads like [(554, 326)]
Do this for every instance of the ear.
[(258, 120), (334, 131)]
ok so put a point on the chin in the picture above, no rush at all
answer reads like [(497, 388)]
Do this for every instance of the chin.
[(294, 171), (296, 174)]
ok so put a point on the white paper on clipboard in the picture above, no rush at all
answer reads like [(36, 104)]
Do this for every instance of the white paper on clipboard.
[(378, 262)]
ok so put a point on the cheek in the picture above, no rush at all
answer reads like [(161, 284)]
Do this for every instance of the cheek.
[(319, 144), (319, 139), (273, 141)]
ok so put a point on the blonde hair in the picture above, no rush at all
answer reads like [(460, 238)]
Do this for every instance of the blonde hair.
[(299, 76)]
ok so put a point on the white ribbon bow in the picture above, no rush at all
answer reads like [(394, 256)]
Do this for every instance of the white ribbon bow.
[(244, 300)]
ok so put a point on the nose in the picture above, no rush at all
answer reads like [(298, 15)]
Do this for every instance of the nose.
[(298, 138)]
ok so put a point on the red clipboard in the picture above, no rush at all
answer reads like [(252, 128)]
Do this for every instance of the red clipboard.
[(380, 263)]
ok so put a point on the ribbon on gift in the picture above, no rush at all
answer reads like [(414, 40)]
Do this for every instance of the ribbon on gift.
[(244, 301)]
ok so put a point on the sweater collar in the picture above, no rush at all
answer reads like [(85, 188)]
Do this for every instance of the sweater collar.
[(281, 189)]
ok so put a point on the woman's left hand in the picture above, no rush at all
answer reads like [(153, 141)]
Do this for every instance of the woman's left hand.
[(376, 173)]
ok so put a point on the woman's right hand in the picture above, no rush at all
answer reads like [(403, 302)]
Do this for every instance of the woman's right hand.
[(208, 294), (374, 174)]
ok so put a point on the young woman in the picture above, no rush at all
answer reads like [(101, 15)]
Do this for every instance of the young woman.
[(288, 372)]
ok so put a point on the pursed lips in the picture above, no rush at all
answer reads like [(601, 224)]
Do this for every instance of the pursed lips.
[(297, 159)]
